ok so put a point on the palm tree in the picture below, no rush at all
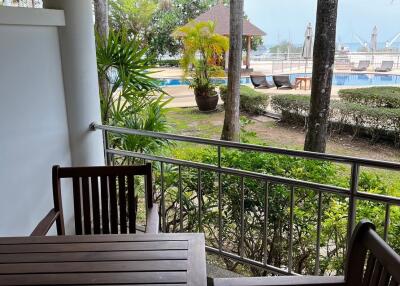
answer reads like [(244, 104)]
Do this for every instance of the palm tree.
[(102, 30), (324, 57), (231, 129), (201, 45)]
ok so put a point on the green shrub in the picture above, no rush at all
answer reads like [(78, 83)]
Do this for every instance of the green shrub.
[(334, 207), (168, 63), (251, 101), (376, 120), (388, 97)]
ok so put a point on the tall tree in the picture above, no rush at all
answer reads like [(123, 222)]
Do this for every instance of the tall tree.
[(102, 29), (323, 60), (231, 129), (101, 17)]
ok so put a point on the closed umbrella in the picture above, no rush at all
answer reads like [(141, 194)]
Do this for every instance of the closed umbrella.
[(308, 45), (374, 43), (374, 39)]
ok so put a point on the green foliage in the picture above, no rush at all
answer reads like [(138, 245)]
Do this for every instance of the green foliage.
[(168, 63), (284, 46), (251, 101), (133, 98), (376, 120), (334, 207), (388, 97), (201, 46), (134, 16), (150, 118), (165, 21)]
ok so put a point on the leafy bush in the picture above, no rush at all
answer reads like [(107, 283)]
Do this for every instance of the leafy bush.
[(376, 120), (388, 97), (251, 101), (334, 207), (168, 63), (133, 99)]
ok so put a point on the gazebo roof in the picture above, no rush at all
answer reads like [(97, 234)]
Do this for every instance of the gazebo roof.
[(220, 15)]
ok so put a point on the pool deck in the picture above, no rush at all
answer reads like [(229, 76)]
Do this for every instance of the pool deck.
[(183, 96)]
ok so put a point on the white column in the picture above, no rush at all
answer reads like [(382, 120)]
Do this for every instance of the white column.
[(78, 57)]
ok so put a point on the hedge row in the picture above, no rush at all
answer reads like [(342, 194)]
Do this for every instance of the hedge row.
[(168, 63), (251, 101), (388, 97), (376, 121)]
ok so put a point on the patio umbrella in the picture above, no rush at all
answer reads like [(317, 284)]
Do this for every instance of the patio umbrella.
[(308, 45), (374, 39)]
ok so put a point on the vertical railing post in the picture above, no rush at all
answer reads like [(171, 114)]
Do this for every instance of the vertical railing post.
[(319, 218), (241, 248), (355, 173), (163, 214), (200, 196), (180, 198), (291, 218), (387, 222), (220, 230), (266, 212), (106, 147)]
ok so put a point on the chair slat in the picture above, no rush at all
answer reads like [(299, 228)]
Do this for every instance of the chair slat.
[(384, 279), (94, 181), (77, 205), (376, 274), (104, 205), (113, 204), (86, 205), (131, 204), (368, 270), (122, 203)]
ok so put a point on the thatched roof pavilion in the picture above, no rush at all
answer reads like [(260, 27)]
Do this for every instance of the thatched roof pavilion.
[(220, 15)]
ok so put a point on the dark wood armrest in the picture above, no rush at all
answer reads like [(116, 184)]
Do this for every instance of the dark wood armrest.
[(45, 224), (152, 220), (281, 281)]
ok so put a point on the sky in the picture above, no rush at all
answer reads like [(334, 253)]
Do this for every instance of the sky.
[(287, 19)]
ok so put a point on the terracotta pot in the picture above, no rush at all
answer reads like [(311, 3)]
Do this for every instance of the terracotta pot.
[(206, 101)]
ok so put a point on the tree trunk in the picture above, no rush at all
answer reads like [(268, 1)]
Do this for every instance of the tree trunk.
[(102, 29), (324, 57), (231, 129)]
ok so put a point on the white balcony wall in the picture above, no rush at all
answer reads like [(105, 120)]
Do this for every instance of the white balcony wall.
[(40, 121)]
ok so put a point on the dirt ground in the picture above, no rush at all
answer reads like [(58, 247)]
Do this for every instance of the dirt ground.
[(188, 121)]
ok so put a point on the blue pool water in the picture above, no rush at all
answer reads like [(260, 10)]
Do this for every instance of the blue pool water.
[(339, 79)]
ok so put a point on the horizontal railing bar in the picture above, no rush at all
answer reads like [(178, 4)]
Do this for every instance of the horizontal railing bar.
[(230, 171), (250, 147), (252, 262), (274, 179)]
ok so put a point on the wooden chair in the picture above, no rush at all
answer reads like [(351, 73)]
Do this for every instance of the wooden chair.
[(104, 200), (370, 261)]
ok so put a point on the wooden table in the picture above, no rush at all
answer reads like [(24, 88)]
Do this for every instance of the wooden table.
[(167, 259), (303, 79)]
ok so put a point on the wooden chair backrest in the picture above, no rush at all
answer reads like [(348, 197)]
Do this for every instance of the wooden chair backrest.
[(370, 260), (104, 197)]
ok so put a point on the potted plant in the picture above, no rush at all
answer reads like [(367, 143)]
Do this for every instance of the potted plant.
[(202, 48)]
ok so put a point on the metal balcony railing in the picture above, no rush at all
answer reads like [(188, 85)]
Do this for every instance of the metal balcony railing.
[(352, 194)]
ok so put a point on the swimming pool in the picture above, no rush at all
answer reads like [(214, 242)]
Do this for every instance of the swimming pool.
[(339, 79)]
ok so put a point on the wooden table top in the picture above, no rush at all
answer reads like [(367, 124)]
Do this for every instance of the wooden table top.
[(151, 259)]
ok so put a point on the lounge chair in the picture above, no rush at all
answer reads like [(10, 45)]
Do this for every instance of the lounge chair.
[(283, 81), (260, 81), (362, 66), (386, 66), (370, 261)]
